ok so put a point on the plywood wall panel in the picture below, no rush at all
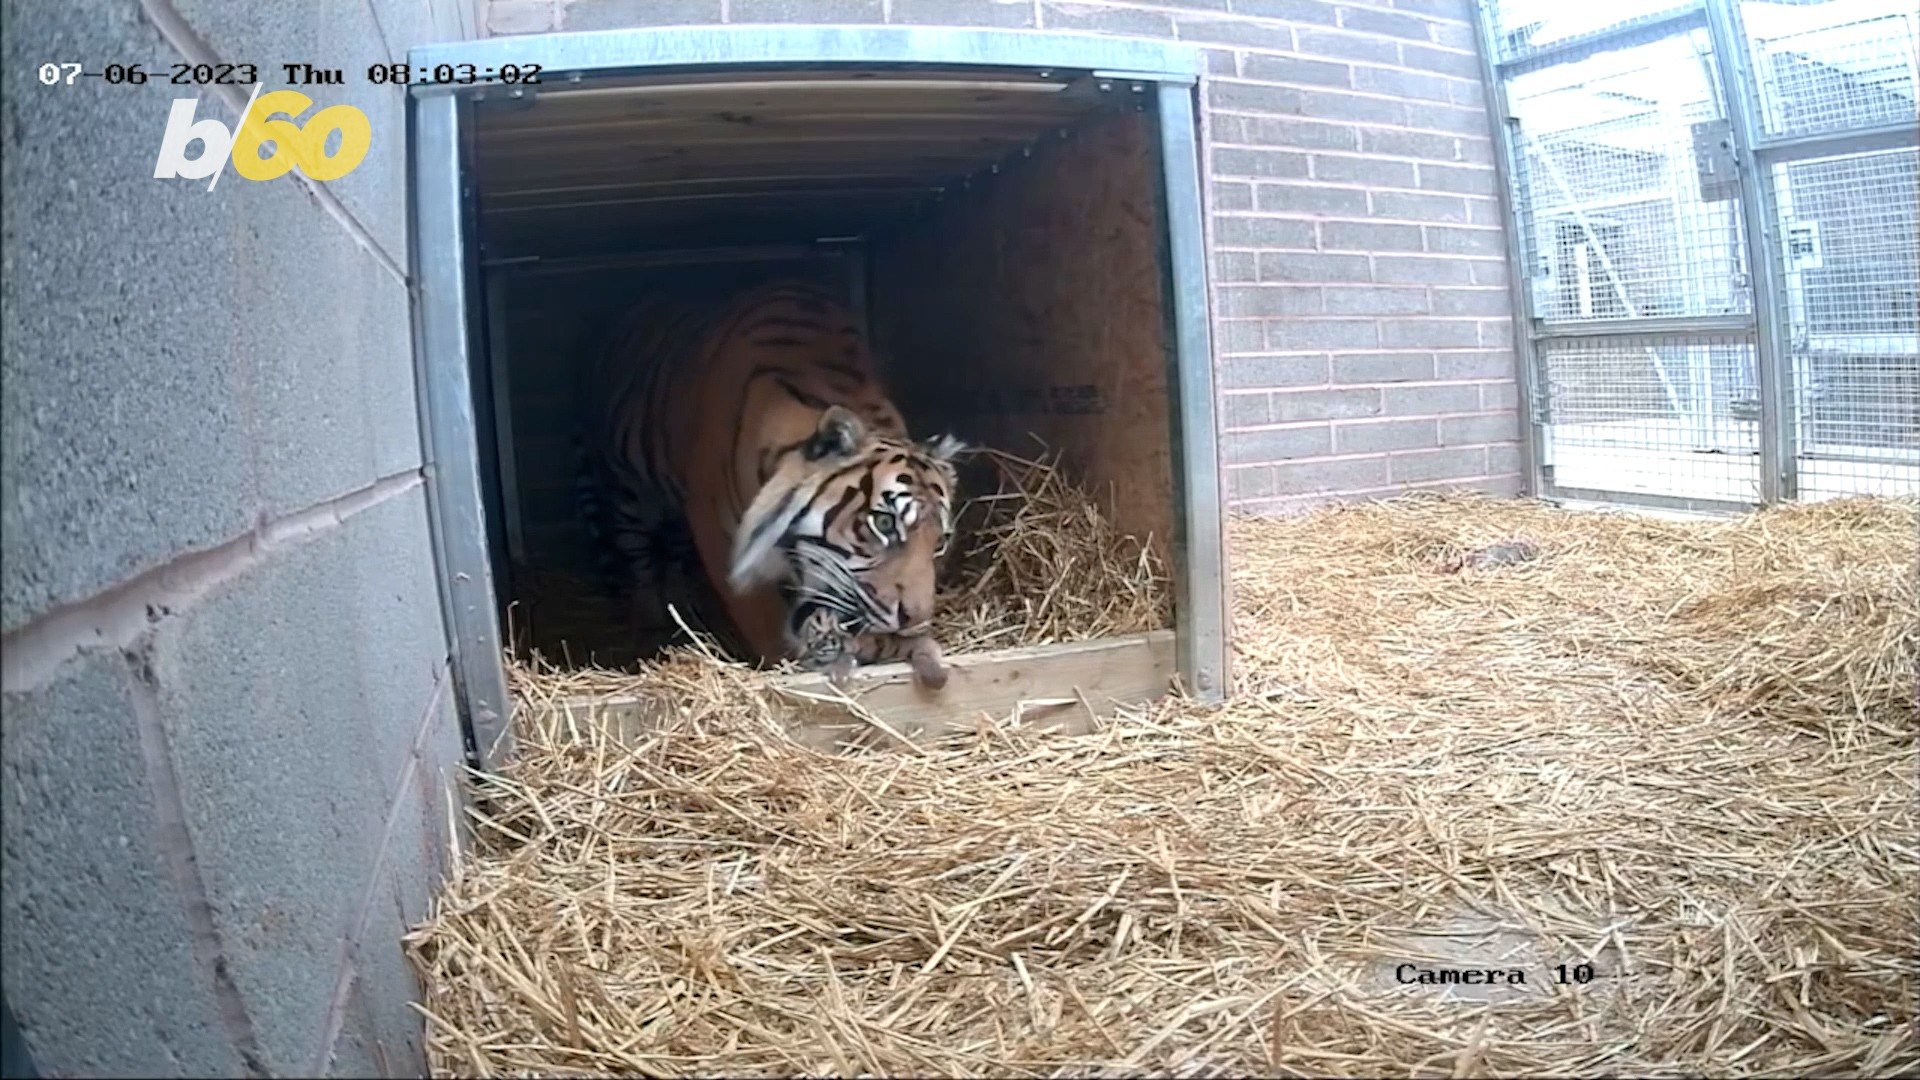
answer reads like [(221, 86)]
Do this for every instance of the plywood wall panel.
[(1028, 312)]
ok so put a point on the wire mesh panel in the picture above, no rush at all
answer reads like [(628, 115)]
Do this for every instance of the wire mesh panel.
[(1657, 151), (1668, 415), (1523, 27), (1851, 318), (1833, 65), (1617, 223)]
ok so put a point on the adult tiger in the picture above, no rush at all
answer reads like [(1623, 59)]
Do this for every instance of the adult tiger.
[(763, 426)]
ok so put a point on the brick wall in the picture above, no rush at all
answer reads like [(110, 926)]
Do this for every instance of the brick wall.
[(1361, 320)]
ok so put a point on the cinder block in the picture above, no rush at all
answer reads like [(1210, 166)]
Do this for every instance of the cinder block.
[(1303, 134), (1277, 444), (1308, 11), (1372, 172), (1391, 24), (1414, 144), (1422, 465), (1489, 271), (273, 33), (1307, 266), (1244, 410), (520, 16), (1465, 241), (262, 693), (1253, 97), (1503, 459), (1500, 395), (1464, 179), (1497, 332), (1446, 62), (1363, 369), (453, 20), (1471, 302), (1378, 436), (1236, 231), (326, 326), (1004, 13), (1233, 31), (415, 864), (1221, 61), (821, 12), (1449, 118), (335, 397), (1273, 371), (1476, 149), (1485, 212), (1408, 206), (1349, 46), (1376, 300), (1455, 36), (1310, 199), (1470, 430), (1368, 236), (401, 643), (1101, 19), (1240, 335), (1429, 333), (1333, 105), (1232, 195), (124, 424), (1428, 400), (1462, 92), (623, 14), (1421, 270), (1487, 364), (1304, 335), (1246, 300), (1296, 69), (1338, 474), (1418, 85), (99, 963), (1236, 266), (1344, 403), (1456, 10), (1240, 161), (1250, 483), (406, 23)]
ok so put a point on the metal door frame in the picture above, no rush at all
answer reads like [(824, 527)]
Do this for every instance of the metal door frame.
[(1753, 151), (445, 265)]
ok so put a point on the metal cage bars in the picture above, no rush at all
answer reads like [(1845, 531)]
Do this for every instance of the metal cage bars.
[(1618, 318)]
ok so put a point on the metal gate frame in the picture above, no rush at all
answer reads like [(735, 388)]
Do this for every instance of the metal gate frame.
[(446, 273), (1751, 152)]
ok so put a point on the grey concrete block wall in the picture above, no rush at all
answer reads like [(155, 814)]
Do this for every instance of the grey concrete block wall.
[(228, 738), (1355, 231)]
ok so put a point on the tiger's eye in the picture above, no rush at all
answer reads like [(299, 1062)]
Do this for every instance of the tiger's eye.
[(882, 523)]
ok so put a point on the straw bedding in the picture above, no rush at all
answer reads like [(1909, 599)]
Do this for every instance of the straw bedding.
[(1466, 733)]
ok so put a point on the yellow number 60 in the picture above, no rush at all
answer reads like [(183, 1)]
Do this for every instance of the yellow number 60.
[(295, 145)]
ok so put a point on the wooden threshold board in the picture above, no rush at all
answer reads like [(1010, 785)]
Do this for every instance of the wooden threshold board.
[(1067, 688)]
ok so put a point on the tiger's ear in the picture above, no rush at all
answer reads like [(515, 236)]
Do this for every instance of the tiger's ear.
[(944, 448), (838, 434)]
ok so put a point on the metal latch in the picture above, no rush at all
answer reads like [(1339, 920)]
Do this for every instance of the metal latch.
[(1714, 161)]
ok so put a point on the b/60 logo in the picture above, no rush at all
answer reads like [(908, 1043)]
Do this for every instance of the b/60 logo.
[(269, 142)]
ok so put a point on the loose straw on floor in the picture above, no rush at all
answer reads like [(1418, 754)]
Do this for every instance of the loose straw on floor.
[(1467, 733)]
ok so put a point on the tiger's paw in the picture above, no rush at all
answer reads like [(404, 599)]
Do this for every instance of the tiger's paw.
[(928, 665)]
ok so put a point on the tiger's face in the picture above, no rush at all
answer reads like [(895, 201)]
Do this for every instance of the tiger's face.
[(854, 525)]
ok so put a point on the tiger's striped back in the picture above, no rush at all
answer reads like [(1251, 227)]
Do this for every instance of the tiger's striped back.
[(761, 424)]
